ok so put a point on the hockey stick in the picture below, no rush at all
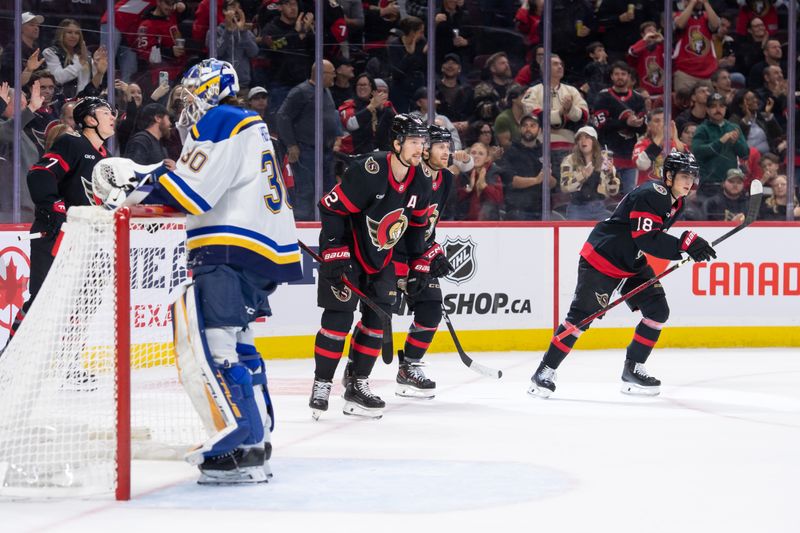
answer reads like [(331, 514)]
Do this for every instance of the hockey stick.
[(753, 205), (467, 360), (387, 351)]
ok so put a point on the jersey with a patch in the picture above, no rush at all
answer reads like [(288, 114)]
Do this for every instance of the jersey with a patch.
[(611, 113), (370, 211), (638, 225), (61, 172), (229, 182)]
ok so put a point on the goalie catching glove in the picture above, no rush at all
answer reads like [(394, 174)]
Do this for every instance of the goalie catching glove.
[(118, 181), (697, 247)]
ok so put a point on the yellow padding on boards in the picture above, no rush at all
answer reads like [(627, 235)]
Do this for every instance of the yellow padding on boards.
[(537, 340)]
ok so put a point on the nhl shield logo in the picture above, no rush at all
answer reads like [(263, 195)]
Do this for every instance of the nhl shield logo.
[(461, 254)]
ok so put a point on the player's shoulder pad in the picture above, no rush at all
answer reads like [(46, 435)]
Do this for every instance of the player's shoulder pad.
[(372, 164), (654, 193), (69, 144), (224, 122)]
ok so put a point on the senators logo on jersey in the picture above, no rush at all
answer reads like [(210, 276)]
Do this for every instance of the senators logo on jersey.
[(433, 218), (385, 233)]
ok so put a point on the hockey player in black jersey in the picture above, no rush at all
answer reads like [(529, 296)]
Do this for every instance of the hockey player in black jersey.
[(613, 257), (382, 196), (427, 303), (59, 180)]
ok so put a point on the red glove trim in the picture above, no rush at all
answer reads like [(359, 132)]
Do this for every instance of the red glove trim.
[(340, 253), (687, 239)]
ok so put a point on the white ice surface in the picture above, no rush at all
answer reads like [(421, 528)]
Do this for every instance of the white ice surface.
[(718, 451)]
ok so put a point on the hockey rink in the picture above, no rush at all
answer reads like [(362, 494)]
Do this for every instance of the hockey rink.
[(718, 450)]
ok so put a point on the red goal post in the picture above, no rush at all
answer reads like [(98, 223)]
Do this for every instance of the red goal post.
[(89, 383)]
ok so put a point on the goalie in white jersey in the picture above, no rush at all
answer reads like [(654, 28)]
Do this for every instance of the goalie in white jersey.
[(242, 244)]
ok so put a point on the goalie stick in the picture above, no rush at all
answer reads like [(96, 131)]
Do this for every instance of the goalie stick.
[(753, 205), (387, 350), (466, 359)]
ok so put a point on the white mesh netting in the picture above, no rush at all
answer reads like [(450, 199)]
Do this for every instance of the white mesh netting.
[(57, 375)]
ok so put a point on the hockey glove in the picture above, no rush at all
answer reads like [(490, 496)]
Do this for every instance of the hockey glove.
[(53, 217), (419, 274), (697, 247), (335, 264), (440, 266)]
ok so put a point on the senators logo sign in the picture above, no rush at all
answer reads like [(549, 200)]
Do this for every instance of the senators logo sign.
[(385, 233)]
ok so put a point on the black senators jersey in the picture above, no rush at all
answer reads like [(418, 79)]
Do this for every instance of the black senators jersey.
[(441, 185), (59, 174), (370, 211), (610, 115), (616, 245)]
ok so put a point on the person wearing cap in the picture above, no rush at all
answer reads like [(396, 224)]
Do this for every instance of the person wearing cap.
[(506, 125), (367, 117), (456, 97), (258, 101), (343, 82), (589, 176), (717, 144), (146, 146), (522, 173), (730, 203), (236, 43), (31, 59)]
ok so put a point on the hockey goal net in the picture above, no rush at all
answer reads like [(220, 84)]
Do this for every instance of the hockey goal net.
[(89, 380)]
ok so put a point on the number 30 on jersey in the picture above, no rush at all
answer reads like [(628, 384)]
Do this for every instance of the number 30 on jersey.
[(276, 195)]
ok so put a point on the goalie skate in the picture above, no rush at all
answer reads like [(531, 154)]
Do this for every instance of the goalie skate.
[(239, 467), (636, 380)]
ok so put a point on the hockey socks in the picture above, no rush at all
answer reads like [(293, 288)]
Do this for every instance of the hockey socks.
[(418, 340), (328, 348), (559, 349), (366, 347), (644, 339)]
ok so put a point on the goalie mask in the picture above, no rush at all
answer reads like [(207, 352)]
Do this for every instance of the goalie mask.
[(209, 82)]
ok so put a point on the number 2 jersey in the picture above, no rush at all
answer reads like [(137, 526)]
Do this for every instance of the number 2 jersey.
[(228, 182), (370, 211), (639, 224)]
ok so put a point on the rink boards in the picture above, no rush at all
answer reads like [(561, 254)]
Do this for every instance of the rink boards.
[(512, 284)]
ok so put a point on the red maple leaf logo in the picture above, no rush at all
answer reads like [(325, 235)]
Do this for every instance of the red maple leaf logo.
[(12, 287)]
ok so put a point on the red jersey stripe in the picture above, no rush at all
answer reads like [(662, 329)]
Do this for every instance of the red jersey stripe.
[(601, 263)]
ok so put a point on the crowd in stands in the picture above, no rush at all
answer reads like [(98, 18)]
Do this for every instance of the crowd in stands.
[(729, 100)]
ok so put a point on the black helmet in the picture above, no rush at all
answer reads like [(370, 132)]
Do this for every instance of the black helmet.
[(86, 108), (438, 134), (680, 162), (405, 126)]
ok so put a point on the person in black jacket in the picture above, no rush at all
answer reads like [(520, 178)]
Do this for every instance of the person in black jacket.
[(613, 257), (146, 146)]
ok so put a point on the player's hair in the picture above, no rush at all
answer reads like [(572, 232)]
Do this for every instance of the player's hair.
[(234, 100), (53, 133), (80, 48)]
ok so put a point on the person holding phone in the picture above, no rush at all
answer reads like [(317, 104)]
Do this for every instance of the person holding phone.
[(236, 43)]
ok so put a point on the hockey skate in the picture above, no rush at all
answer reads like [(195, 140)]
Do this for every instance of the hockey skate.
[(267, 457), (636, 380), (319, 397), (238, 467), (412, 382), (543, 381), (360, 401), (347, 377)]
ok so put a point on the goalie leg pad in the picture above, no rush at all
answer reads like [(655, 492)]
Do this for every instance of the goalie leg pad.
[(249, 356), (221, 390)]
